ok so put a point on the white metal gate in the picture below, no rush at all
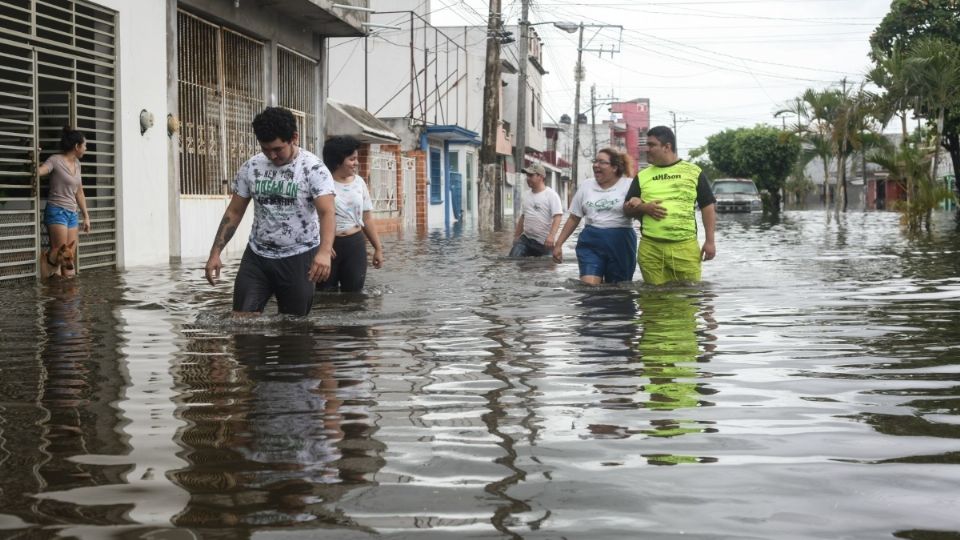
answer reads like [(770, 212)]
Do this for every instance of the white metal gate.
[(383, 180), (57, 65)]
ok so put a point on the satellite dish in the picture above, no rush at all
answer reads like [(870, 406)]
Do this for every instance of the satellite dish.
[(586, 152)]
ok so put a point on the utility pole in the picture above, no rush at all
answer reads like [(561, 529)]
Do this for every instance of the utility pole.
[(489, 217), (593, 116), (676, 134), (578, 76), (520, 144)]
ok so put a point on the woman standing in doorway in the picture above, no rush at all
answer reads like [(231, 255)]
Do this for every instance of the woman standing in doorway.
[(66, 212), (348, 270), (607, 246)]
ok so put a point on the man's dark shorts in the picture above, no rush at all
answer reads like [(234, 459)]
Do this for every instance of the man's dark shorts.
[(259, 278), (526, 247)]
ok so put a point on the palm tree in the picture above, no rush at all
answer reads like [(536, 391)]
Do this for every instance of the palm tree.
[(853, 132), (934, 67), (890, 73), (799, 185), (820, 108)]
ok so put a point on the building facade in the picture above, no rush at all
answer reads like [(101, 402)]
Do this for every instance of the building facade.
[(164, 91), (629, 123), (426, 85)]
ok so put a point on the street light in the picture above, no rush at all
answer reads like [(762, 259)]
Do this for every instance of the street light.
[(520, 144), (566, 26)]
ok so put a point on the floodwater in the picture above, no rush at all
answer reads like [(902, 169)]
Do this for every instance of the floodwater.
[(808, 388)]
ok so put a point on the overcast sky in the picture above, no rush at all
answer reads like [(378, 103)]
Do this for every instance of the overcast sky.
[(716, 63)]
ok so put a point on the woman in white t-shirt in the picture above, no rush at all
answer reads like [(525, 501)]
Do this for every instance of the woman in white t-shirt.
[(348, 270), (607, 246)]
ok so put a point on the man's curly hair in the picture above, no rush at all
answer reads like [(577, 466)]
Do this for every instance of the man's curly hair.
[(275, 123)]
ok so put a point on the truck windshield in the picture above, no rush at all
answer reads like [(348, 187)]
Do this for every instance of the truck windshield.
[(734, 187)]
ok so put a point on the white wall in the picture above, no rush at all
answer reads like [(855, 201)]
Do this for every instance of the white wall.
[(199, 220), (143, 187), (534, 133)]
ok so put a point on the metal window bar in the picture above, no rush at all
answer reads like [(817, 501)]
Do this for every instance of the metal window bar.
[(199, 97), (18, 211), (243, 98), (220, 75), (298, 92)]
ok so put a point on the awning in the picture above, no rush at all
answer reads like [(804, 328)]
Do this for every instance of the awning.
[(320, 15), (453, 134), (344, 119)]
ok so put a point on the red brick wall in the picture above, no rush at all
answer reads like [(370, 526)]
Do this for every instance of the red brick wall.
[(421, 208)]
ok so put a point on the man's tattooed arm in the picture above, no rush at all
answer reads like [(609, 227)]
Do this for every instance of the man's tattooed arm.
[(224, 233), (228, 225)]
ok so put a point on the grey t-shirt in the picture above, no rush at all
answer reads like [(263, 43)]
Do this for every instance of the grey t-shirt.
[(285, 218), (63, 184)]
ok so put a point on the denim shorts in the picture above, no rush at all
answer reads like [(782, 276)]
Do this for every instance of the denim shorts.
[(608, 253), (54, 215)]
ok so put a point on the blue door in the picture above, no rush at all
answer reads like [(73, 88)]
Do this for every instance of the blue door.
[(456, 198), (436, 184)]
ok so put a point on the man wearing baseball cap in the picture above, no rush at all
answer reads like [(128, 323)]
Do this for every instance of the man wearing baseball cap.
[(540, 219)]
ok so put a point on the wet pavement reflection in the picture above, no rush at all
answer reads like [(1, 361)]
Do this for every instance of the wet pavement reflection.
[(807, 389)]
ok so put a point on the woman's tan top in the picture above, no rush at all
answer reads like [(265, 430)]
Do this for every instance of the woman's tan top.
[(63, 184)]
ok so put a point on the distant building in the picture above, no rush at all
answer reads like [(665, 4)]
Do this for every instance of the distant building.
[(629, 123)]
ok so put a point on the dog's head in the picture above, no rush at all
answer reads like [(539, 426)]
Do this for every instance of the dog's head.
[(66, 254)]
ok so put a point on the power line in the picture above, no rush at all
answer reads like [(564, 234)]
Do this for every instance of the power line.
[(704, 63)]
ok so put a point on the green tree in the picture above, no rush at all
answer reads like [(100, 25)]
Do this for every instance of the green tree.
[(890, 74), (769, 154), (722, 149), (699, 157), (934, 66), (911, 19), (763, 153), (908, 22)]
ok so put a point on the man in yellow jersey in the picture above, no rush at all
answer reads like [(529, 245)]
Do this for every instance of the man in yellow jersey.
[(664, 198)]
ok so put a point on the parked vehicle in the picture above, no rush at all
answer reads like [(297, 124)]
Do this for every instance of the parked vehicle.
[(736, 195)]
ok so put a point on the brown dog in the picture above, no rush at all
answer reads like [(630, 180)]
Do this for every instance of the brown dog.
[(62, 260)]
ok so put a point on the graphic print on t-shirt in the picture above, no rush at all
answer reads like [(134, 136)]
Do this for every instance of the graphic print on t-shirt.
[(268, 189), (285, 219), (601, 205)]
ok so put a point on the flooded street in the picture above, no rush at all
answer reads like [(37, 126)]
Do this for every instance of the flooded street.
[(807, 389)]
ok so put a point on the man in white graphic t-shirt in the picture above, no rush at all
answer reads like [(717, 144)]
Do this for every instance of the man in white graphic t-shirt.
[(539, 221)]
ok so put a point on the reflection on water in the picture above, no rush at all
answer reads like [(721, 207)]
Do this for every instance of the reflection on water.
[(278, 431), (807, 389)]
